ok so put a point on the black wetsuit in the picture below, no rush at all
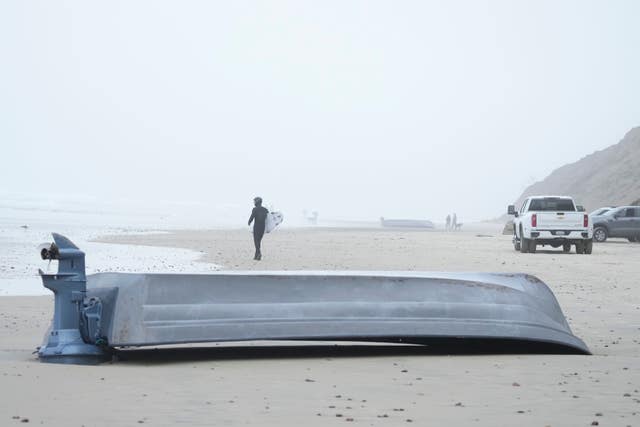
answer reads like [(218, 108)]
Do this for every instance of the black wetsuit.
[(259, 214)]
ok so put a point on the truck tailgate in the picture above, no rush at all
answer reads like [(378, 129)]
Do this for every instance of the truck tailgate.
[(560, 220)]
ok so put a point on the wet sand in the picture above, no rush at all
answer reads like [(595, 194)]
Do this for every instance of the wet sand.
[(311, 385)]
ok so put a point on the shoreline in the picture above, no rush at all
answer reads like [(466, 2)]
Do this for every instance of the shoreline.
[(20, 262)]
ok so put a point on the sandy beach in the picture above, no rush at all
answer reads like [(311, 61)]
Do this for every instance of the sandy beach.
[(155, 135), (253, 384)]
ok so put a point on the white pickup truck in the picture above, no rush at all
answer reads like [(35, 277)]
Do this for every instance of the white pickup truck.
[(554, 221)]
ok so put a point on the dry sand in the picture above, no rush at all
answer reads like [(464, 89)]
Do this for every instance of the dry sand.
[(362, 386)]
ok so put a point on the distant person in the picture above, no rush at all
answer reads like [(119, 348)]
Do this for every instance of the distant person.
[(259, 219), (454, 222), (448, 222)]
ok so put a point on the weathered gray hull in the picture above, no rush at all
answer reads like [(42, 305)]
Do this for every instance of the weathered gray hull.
[(95, 314), (406, 223), (154, 309)]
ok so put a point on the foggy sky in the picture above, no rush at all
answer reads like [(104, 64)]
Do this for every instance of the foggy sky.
[(356, 109)]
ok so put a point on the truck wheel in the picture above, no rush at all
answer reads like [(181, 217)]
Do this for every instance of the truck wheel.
[(524, 243), (516, 241), (588, 247), (566, 248), (600, 234), (579, 248)]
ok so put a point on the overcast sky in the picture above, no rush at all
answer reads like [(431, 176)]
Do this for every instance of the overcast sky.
[(356, 109)]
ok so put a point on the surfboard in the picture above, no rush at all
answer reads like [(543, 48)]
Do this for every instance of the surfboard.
[(274, 219)]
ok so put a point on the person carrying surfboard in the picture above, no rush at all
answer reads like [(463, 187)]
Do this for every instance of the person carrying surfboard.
[(259, 219)]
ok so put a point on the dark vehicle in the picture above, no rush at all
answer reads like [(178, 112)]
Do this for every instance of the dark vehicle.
[(602, 211), (619, 222)]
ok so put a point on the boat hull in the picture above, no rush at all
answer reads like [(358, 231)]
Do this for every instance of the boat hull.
[(406, 223), (155, 309)]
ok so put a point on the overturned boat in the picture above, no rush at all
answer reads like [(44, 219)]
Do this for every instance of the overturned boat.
[(406, 223), (97, 314)]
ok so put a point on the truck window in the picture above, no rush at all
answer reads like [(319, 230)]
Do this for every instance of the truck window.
[(552, 204)]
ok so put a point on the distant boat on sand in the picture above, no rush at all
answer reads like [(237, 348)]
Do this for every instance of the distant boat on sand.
[(406, 223)]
